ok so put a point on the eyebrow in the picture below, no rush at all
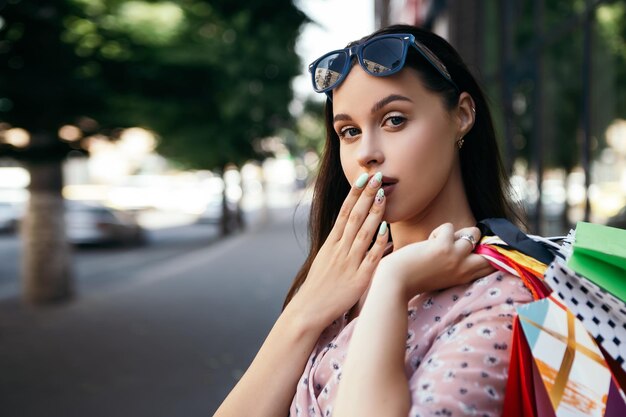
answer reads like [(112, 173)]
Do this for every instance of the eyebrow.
[(390, 98), (376, 107), (341, 117)]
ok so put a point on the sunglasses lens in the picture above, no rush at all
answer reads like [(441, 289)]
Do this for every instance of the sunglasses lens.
[(383, 55), (328, 71)]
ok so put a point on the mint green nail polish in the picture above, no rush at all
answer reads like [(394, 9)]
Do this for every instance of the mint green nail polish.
[(360, 182), (383, 228), (376, 180), (380, 194)]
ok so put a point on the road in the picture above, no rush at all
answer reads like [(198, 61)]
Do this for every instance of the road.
[(164, 330), (99, 266)]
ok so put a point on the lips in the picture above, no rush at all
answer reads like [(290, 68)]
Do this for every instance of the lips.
[(389, 180), (388, 184)]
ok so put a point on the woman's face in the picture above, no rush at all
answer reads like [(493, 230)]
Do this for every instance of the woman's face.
[(394, 125)]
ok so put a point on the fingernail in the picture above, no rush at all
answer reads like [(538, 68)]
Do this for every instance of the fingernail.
[(360, 182), (383, 228), (380, 195), (376, 179)]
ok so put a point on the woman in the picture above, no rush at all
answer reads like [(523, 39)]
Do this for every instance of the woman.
[(410, 153)]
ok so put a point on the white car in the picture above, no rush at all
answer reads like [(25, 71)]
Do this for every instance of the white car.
[(93, 223), (10, 216)]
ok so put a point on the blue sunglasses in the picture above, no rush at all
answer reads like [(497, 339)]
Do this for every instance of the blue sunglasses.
[(380, 56)]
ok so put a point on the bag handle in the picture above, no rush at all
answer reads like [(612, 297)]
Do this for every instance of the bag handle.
[(515, 238)]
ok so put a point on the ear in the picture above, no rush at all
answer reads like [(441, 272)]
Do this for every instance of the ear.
[(466, 113)]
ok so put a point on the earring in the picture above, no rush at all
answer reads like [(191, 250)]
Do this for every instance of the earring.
[(459, 142), (474, 110)]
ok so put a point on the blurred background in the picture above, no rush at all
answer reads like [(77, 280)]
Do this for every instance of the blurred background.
[(156, 162)]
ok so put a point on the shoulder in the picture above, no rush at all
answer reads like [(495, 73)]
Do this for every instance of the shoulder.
[(460, 360), (494, 295), (493, 289)]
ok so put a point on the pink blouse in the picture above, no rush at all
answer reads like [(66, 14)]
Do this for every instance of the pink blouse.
[(457, 352)]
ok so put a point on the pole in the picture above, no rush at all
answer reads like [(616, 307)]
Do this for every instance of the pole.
[(506, 23), (538, 11), (586, 108)]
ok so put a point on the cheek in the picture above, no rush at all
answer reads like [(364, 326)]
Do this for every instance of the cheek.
[(426, 149), (349, 165)]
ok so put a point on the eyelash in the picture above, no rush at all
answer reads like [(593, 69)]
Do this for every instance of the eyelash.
[(342, 132), (395, 116)]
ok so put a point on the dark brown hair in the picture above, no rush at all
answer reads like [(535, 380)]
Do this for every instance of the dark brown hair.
[(484, 178)]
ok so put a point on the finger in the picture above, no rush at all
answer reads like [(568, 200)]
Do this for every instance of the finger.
[(363, 238), (466, 239), (360, 211), (477, 267), (444, 231), (371, 260), (346, 208), (474, 231)]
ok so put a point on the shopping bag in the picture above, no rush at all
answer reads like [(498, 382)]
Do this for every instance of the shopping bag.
[(516, 239), (568, 372), (510, 250), (599, 253), (602, 314), (507, 259), (557, 368), (522, 399)]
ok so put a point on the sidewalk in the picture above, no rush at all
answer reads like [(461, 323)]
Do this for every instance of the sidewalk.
[(172, 342)]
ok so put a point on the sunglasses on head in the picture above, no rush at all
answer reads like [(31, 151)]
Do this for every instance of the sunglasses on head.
[(380, 56)]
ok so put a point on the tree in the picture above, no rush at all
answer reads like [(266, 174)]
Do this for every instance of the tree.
[(209, 77), (553, 31), (564, 100)]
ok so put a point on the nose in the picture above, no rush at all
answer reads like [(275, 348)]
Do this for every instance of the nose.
[(370, 153)]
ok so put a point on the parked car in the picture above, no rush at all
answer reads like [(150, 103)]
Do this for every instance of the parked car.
[(10, 216), (94, 224)]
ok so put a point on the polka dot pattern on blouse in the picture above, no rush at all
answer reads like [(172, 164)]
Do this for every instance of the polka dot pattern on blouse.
[(457, 352)]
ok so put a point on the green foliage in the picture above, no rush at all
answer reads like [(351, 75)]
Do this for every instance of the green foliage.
[(612, 29), (209, 77), (562, 53), (309, 132)]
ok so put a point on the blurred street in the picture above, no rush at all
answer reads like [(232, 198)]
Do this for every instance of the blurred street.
[(98, 267), (160, 330)]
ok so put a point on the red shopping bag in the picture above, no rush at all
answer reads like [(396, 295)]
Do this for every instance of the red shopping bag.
[(519, 400)]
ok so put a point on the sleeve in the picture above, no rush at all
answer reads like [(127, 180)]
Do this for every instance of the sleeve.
[(464, 371)]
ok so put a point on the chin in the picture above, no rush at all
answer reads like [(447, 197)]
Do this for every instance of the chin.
[(395, 214), (391, 215)]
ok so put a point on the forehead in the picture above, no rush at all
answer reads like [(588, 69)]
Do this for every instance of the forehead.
[(360, 89)]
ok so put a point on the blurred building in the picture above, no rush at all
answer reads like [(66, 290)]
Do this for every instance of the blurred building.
[(460, 22)]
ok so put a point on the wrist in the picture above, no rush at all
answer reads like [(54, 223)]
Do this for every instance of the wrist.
[(300, 321), (391, 282)]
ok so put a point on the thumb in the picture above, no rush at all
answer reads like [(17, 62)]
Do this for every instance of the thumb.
[(445, 230), (477, 267)]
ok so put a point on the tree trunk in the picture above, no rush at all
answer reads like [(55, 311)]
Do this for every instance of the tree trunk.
[(46, 260), (225, 221)]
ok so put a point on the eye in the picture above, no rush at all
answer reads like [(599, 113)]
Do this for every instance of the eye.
[(348, 132), (394, 120)]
